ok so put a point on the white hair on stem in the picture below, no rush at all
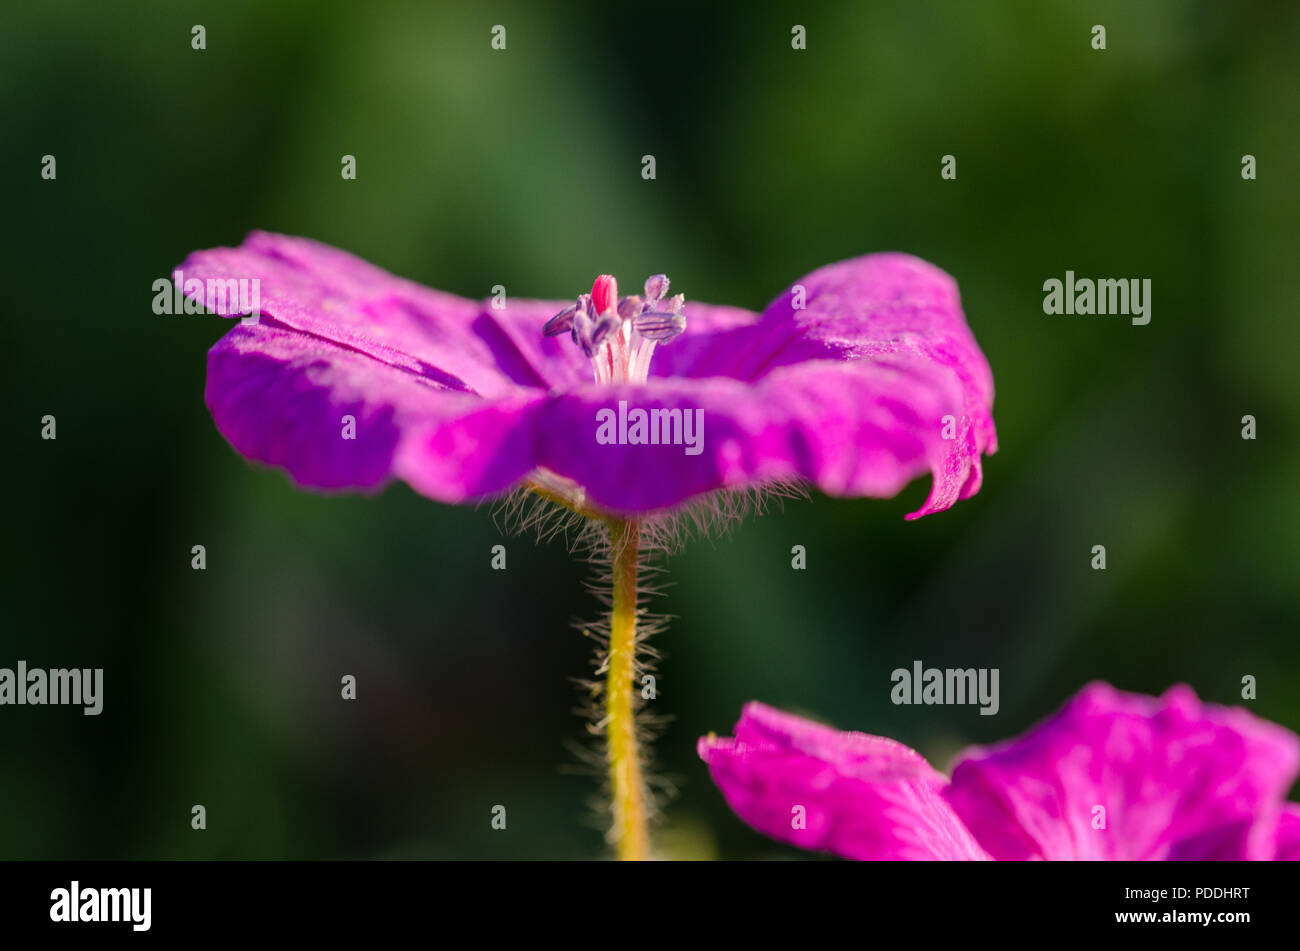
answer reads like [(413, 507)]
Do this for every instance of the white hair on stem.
[(552, 509)]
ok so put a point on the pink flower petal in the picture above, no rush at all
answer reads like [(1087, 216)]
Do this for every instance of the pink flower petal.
[(1176, 778), (859, 796)]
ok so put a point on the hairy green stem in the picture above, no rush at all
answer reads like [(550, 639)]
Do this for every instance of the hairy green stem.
[(630, 834)]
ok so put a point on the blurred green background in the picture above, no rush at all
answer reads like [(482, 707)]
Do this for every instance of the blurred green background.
[(522, 168)]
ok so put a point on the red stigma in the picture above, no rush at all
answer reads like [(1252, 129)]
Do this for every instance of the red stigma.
[(604, 295)]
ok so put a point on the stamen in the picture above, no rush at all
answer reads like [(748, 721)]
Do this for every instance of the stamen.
[(561, 323), (659, 326), (656, 287), (619, 335)]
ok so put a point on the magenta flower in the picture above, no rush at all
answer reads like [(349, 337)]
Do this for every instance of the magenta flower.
[(1112, 775), (857, 379)]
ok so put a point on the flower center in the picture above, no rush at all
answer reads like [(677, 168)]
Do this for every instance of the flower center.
[(618, 335)]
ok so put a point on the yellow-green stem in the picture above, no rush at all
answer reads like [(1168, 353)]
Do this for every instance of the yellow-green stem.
[(630, 834)]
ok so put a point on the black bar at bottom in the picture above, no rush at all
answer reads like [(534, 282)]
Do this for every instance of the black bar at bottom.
[(332, 900)]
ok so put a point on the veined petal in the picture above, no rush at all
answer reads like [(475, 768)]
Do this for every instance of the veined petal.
[(332, 295), (281, 397), (858, 796), (882, 315), (1176, 778)]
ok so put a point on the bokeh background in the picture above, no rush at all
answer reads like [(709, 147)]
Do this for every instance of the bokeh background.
[(522, 168)]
